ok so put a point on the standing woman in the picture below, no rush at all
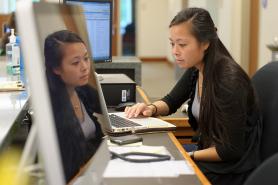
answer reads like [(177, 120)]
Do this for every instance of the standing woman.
[(74, 98), (222, 105)]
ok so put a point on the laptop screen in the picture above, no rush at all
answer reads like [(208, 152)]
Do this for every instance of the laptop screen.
[(70, 81)]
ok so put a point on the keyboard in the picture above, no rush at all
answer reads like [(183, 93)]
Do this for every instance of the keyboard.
[(119, 122)]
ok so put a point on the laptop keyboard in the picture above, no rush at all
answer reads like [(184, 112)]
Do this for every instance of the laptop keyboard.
[(119, 122)]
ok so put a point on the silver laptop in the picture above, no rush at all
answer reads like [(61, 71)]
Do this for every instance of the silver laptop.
[(116, 122)]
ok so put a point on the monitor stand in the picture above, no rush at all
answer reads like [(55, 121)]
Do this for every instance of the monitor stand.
[(27, 160), (99, 76), (30, 149), (27, 164)]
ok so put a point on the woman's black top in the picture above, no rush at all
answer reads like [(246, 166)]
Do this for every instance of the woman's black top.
[(75, 149), (241, 156)]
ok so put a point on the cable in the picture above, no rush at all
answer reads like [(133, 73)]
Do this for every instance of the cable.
[(157, 157)]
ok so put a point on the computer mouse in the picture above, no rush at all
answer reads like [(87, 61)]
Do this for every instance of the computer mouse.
[(121, 106)]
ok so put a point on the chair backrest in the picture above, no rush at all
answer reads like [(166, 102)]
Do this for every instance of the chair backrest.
[(266, 173), (265, 82)]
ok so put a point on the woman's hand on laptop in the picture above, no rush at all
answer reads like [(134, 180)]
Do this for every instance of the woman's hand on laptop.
[(139, 109)]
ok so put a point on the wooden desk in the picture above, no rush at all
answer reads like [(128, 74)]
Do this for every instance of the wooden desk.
[(184, 132)]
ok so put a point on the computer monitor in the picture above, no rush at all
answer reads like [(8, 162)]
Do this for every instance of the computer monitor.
[(98, 15), (36, 21)]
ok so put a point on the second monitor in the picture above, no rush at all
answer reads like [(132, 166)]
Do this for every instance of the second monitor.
[(98, 15)]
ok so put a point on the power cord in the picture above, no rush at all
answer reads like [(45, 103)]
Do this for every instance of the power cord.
[(155, 157)]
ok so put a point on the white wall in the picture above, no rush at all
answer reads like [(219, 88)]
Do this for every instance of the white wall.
[(268, 29), (4, 7), (7, 6), (151, 28), (218, 8), (174, 6), (230, 18)]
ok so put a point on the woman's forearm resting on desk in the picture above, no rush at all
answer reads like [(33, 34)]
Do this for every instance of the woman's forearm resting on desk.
[(208, 154)]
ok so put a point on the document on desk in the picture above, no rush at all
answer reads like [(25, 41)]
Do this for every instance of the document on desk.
[(171, 168), (139, 148)]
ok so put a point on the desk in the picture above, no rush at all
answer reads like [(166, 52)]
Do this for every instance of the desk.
[(97, 164), (167, 139), (13, 107)]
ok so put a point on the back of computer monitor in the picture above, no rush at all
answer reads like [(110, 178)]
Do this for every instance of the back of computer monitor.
[(33, 57), (36, 21)]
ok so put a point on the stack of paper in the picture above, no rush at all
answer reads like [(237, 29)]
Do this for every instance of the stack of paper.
[(11, 86)]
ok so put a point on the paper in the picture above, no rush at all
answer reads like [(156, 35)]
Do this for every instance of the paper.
[(11, 86), (118, 168), (171, 168), (143, 148)]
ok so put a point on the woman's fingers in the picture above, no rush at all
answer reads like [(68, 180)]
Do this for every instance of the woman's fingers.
[(135, 110), (140, 108)]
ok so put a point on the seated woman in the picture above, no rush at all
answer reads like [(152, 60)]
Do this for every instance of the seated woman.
[(74, 98), (222, 103)]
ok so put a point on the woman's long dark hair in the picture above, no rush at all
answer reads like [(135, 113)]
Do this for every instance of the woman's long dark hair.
[(73, 146), (222, 75), (54, 53)]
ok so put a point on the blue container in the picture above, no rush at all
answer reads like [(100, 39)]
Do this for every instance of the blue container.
[(21, 65)]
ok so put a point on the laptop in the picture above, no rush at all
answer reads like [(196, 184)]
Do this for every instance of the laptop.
[(116, 122)]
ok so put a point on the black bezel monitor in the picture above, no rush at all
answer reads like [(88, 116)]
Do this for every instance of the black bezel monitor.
[(98, 15)]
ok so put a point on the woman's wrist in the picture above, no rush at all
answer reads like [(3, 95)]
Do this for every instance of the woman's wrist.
[(154, 109), (191, 154)]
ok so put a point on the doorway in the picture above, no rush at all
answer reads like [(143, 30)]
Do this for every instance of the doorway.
[(127, 27)]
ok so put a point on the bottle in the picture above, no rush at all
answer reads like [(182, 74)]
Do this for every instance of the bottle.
[(16, 58), (13, 55), (9, 51)]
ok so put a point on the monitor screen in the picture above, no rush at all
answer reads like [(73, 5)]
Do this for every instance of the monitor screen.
[(98, 15)]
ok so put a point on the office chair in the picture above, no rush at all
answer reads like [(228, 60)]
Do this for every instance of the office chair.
[(265, 82), (266, 173)]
